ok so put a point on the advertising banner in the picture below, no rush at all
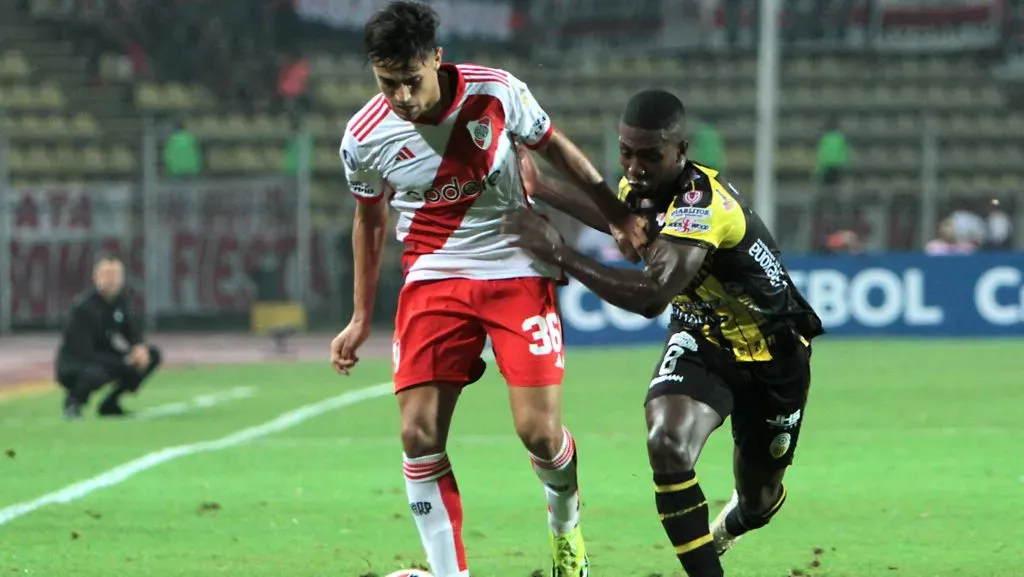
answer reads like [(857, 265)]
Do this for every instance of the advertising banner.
[(905, 295)]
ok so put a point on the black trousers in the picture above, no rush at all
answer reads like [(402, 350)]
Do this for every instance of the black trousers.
[(83, 378)]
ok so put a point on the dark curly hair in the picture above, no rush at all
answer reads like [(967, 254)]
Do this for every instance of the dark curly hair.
[(401, 32)]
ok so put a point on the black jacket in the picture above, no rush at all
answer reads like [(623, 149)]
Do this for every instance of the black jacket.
[(93, 323)]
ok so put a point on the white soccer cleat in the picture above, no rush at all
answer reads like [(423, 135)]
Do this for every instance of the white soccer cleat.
[(723, 540)]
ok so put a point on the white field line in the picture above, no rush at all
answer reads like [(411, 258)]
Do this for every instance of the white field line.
[(128, 470), (198, 402)]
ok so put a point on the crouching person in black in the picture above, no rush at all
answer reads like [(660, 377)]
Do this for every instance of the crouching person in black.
[(102, 343)]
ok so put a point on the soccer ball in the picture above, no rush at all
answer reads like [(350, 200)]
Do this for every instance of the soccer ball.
[(409, 573)]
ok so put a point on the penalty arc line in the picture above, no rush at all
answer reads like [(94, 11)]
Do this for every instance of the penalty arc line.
[(128, 470)]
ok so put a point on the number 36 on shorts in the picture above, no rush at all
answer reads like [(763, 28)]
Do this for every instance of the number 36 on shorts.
[(546, 332)]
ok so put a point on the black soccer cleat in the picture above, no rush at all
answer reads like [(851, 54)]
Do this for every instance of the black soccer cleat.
[(72, 408), (112, 410)]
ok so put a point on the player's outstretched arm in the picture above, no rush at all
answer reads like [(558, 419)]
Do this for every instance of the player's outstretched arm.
[(368, 234), (533, 127), (574, 203), (629, 230), (565, 157), (669, 266)]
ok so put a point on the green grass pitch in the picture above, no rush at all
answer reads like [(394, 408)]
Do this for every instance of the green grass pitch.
[(910, 465)]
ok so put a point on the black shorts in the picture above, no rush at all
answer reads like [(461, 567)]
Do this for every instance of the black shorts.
[(766, 399)]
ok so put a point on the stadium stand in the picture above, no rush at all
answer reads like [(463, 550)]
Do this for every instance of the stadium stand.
[(58, 117)]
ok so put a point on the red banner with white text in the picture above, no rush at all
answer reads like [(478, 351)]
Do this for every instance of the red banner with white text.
[(216, 247)]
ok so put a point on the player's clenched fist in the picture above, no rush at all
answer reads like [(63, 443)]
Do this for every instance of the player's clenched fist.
[(631, 236), (345, 345)]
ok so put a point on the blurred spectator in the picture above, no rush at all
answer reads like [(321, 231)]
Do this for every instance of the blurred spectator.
[(948, 241), (707, 147), (968, 225), (844, 242), (1000, 228), (293, 82), (182, 156), (707, 11), (833, 155)]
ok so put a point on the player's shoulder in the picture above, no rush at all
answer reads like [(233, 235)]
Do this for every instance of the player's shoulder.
[(719, 191), (485, 75), (85, 300), (369, 120)]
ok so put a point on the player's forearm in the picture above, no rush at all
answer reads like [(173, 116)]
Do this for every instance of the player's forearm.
[(572, 202), (569, 160), (369, 231), (629, 289)]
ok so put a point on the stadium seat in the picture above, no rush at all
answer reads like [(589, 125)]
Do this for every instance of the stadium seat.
[(149, 98), (350, 65), (40, 159), (202, 97), (218, 159), (16, 160), (235, 125), (49, 95), (16, 98), (93, 160), (67, 159), (326, 159), (321, 66), (84, 124), (208, 126), (122, 159), (249, 159), (178, 97), (14, 65)]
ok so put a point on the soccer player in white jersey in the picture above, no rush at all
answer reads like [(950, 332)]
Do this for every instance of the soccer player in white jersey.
[(439, 145)]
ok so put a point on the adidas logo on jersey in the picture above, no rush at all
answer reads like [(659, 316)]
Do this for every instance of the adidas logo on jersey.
[(404, 154)]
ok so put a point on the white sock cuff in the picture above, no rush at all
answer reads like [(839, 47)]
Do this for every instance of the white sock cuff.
[(427, 468), (564, 456)]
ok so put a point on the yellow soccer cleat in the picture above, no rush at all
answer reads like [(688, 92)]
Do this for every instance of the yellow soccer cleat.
[(569, 555)]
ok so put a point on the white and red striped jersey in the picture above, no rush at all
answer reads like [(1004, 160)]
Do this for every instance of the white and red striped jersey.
[(451, 179)]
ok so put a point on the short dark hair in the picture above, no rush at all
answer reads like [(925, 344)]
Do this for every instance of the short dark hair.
[(401, 32), (654, 109), (105, 256)]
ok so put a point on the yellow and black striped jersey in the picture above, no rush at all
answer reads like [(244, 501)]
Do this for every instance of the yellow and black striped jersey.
[(742, 299)]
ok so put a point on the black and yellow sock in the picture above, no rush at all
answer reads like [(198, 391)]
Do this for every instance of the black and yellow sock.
[(738, 521), (684, 515)]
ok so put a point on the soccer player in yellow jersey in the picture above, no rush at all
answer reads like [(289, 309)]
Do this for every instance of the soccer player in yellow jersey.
[(739, 340)]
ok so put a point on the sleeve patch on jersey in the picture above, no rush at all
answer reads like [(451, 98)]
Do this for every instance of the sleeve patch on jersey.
[(350, 161), (543, 139), (361, 189)]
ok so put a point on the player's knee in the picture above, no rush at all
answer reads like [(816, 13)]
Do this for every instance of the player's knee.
[(420, 438), (93, 378), (671, 450), (540, 434)]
